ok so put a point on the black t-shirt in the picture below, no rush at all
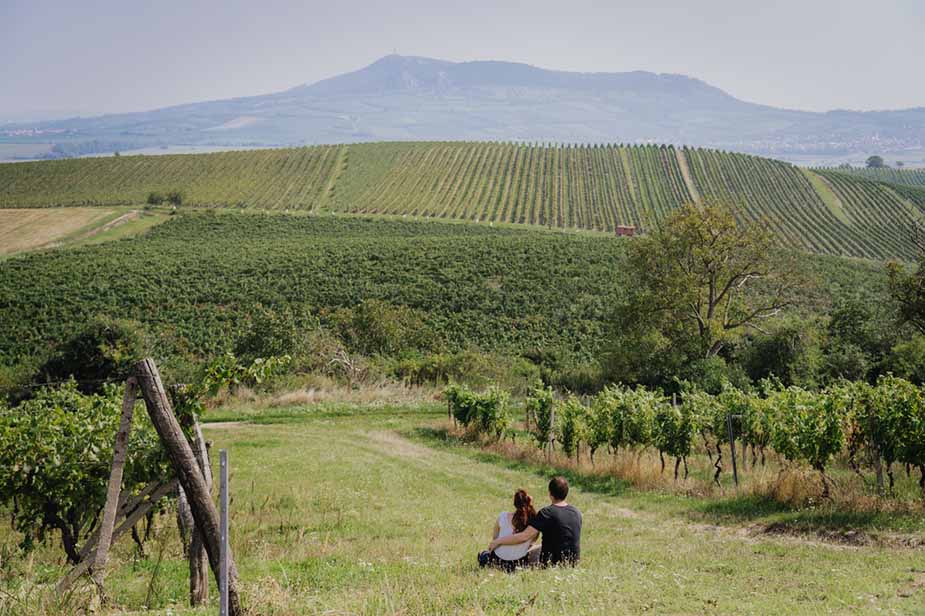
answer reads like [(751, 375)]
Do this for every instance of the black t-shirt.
[(561, 529)]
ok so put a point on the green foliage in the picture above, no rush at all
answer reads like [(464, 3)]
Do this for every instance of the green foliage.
[(229, 371), (55, 458), (908, 291), (540, 406), (276, 332), (195, 281), (907, 360), (175, 198), (875, 162), (103, 349), (571, 416), (674, 428), (486, 413), (585, 187), (697, 268), (789, 352), (470, 367), (377, 327), (155, 198), (903, 177)]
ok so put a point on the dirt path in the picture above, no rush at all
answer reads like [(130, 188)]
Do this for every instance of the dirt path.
[(686, 174)]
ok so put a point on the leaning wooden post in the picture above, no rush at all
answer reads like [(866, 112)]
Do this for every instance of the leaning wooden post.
[(119, 453), (188, 473), (198, 559), (97, 564)]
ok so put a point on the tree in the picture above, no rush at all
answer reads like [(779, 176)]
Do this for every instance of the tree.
[(175, 198), (900, 164), (103, 350), (155, 198), (699, 271), (875, 162), (908, 291)]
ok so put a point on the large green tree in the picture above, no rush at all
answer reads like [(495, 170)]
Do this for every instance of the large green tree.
[(702, 276)]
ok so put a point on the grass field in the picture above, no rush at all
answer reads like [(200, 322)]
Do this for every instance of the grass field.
[(26, 229), (339, 510), (595, 187)]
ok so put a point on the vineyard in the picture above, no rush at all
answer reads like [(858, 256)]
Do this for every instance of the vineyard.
[(195, 280), (597, 187), (868, 427), (906, 177)]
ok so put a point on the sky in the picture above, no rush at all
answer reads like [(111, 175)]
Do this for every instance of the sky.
[(103, 56)]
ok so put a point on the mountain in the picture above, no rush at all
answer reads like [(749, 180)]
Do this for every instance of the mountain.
[(412, 98)]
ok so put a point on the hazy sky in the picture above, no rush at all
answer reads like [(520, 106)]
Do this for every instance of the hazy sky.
[(126, 55)]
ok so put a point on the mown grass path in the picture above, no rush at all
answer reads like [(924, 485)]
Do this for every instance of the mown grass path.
[(343, 513)]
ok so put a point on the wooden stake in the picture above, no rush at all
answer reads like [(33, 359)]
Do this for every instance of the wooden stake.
[(119, 453), (188, 473)]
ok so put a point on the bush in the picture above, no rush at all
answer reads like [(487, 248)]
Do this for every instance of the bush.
[(104, 350), (907, 360), (540, 404), (155, 198), (55, 457), (175, 198), (467, 367), (486, 413), (272, 333), (376, 327)]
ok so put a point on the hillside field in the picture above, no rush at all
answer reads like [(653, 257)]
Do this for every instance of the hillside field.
[(572, 187), (195, 280), (394, 527)]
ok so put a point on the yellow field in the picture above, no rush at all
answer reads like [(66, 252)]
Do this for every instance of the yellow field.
[(28, 229)]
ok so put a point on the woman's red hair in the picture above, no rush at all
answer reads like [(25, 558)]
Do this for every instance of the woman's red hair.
[(523, 510)]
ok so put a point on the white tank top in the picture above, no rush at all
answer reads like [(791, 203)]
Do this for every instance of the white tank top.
[(509, 552)]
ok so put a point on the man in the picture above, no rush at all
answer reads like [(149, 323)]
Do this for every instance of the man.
[(560, 525)]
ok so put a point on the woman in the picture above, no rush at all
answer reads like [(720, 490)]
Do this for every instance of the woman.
[(509, 557)]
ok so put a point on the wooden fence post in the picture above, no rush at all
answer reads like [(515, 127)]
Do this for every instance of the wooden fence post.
[(114, 489), (198, 559), (188, 472), (226, 540)]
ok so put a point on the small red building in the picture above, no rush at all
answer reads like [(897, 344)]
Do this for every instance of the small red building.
[(625, 231)]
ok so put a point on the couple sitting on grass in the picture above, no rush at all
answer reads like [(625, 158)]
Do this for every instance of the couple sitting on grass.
[(516, 532)]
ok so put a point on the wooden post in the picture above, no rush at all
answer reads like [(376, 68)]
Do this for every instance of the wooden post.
[(114, 489), (225, 551), (198, 559), (188, 473), (135, 513), (732, 450)]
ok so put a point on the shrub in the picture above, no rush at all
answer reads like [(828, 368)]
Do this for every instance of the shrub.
[(540, 409), (55, 458), (375, 327), (105, 349)]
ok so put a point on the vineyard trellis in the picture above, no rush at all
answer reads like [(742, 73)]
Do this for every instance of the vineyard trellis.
[(189, 477), (875, 426), (592, 187)]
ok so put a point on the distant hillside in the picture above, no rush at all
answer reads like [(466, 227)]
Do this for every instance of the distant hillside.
[(906, 177), (588, 187), (410, 98)]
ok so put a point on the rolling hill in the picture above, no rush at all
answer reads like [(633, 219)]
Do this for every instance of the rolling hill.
[(580, 187), (413, 98)]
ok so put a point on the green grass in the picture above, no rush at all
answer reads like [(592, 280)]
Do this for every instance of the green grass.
[(341, 510), (582, 187)]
